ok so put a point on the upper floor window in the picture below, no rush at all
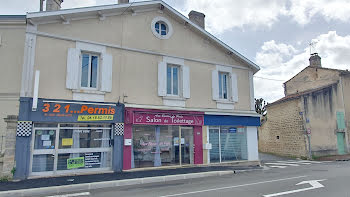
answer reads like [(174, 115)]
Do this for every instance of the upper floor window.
[(89, 70), (161, 27), (172, 80), (223, 85)]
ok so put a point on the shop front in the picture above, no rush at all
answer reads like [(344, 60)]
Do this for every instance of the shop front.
[(231, 138), (66, 137), (155, 138)]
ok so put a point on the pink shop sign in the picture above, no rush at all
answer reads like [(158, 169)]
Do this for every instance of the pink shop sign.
[(167, 119)]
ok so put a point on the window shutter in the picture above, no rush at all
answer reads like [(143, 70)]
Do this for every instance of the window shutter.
[(162, 79), (73, 69), (186, 82), (234, 87), (106, 72), (215, 84)]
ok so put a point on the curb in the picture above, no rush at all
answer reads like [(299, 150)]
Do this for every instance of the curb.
[(109, 184)]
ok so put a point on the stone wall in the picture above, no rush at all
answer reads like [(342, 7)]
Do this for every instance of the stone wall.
[(10, 144), (283, 133), (311, 78)]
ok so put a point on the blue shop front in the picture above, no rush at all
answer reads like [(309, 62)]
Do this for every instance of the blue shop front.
[(231, 138), (57, 137)]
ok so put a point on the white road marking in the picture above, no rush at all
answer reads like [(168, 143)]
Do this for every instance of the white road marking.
[(72, 195), (307, 161), (283, 164), (277, 166), (314, 185), (295, 162), (234, 186)]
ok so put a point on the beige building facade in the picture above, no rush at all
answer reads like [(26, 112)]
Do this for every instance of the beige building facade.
[(313, 118), (150, 61)]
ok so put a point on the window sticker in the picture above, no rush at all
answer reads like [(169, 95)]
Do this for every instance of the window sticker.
[(77, 162), (67, 141)]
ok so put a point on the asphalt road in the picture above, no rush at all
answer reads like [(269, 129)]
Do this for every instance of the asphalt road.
[(272, 181)]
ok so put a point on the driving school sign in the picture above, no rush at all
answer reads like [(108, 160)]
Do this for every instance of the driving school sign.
[(73, 111)]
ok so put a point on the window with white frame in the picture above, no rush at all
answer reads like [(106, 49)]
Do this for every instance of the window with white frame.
[(173, 80), (223, 85), (89, 70), (161, 27), (89, 67)]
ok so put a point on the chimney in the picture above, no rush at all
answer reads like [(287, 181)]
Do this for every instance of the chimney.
[(52, 5), (197, 18), (123, 1), (315, 60)]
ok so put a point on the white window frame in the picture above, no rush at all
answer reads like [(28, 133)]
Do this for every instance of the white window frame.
[(161, 20), (232, 95), (179, 80), (89, 70), (228, 92)]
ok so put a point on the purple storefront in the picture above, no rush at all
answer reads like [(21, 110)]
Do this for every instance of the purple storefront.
[(154, 138)]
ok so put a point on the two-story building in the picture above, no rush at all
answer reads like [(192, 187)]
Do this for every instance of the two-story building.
[(130, 85)]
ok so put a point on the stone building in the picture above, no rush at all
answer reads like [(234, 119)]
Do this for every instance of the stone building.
[(313, 118)]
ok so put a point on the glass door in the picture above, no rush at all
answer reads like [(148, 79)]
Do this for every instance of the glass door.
[(214, 139), (186, 145), (44, 145)]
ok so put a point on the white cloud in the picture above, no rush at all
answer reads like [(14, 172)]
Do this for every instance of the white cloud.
[(302, 11), (226, 14), (282, 61)]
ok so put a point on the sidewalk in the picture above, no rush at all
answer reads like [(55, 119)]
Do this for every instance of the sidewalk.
[(334, 158), (134, 176)]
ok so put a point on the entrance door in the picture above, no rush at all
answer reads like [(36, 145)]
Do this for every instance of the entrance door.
[(186, 145), (340, 140), (44, 146)]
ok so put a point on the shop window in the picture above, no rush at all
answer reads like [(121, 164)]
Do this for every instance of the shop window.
[(155, 146), (228, 144), (89, 70), (71, 147)]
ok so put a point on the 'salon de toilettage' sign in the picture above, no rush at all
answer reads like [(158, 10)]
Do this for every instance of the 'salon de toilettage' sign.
[(73, 112), (167, 119)]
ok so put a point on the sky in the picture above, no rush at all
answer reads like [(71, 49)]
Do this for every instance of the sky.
[(274, 34)]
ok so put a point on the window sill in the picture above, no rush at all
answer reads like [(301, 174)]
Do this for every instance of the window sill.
[(88, 95), (174, 101), (225, 101), (225, 104), (89, 91), (169, 97)]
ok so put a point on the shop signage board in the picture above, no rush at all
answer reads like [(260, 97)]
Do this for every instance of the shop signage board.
[(146, 118), (62, 111)]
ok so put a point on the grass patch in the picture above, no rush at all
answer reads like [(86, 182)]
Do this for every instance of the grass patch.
[(5, 179)]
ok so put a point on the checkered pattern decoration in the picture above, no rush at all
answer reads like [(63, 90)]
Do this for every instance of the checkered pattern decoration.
[(24, 128), (119, 129)]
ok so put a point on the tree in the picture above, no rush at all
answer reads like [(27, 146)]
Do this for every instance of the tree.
[(260, 106)]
